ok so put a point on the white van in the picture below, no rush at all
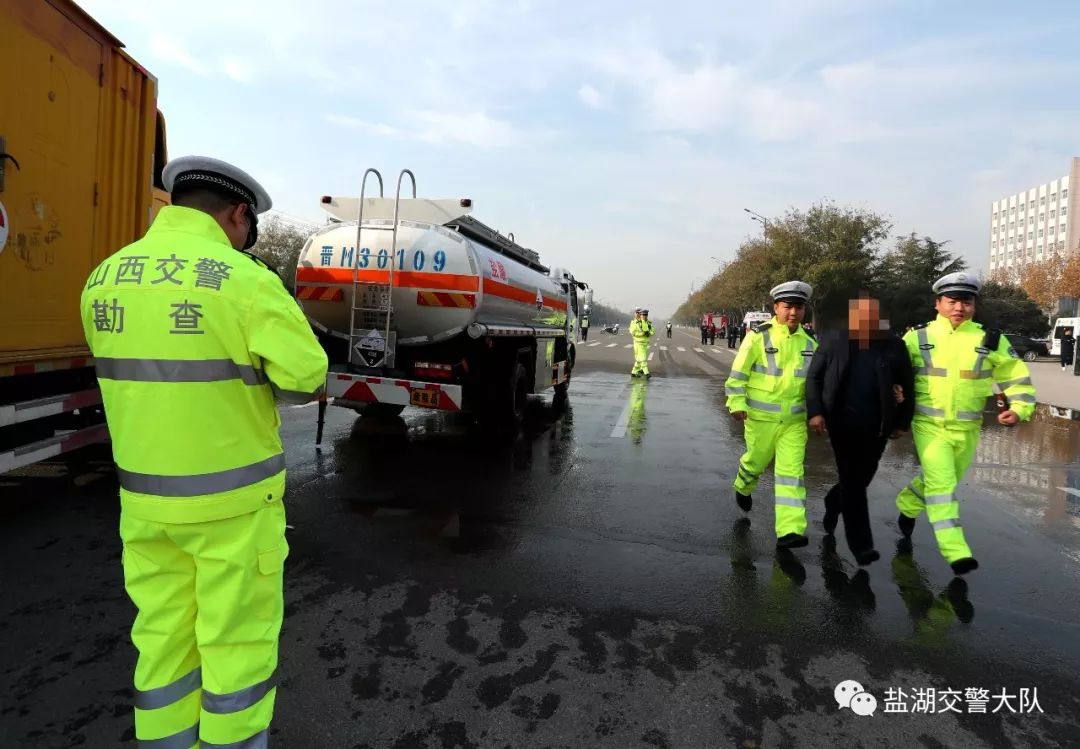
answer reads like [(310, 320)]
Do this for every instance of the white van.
[(1060, 325), (750, 319)]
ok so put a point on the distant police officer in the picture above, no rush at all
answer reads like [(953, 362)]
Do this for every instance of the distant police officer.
[(192, 341), (956, 365), (766, 391), (642, 332)]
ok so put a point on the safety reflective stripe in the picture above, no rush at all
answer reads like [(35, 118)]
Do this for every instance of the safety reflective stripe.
[(789, 481), (911, 488), (1023, 398), (736, 390), (296, 397), (762, 406), (241, 699), (976, 374), (178, 370), (941, 525), (940, 499), (152, 699), (201, 483), (791, 502), (737, 375), (969, 415), (928, 367), (775, 372), (770, 358), (805, 369), (798, 408), (183, 740), (1018, 381), (930, 411), (258, 741)]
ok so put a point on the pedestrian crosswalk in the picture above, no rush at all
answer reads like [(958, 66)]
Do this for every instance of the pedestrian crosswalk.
[(629, 345), (611, 345), (699, 351), (663, 348), (680, 348)]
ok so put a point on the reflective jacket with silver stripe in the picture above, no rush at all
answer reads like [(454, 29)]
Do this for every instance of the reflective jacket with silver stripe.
[(768, 376), (192, 341), (954, 373)]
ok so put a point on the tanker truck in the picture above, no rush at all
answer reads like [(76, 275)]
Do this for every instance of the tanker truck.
[(417, 303)]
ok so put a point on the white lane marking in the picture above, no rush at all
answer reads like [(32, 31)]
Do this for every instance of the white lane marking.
[(624, 419), (729, 351), (611, 345), (1070, 490), (306, 405), (663, 348), (629, 345), (716, 351), (590, 345), (699, 351), (680, 348), (651, 355)]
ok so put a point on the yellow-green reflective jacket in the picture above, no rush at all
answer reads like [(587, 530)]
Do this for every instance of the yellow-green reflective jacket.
[(954, 373), (641, 330), (192, 340), (768, 376)]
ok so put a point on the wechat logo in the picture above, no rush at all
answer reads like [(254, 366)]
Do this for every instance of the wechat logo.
[(850, 694)]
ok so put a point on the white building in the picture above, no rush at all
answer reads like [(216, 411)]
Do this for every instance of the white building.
[(1037, 223)]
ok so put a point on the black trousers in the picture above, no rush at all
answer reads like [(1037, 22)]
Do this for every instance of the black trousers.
[(858, 453)]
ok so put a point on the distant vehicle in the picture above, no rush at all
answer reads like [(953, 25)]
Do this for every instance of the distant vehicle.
[(1060, 325), (1029, 349), (750, 319), (612, 329)]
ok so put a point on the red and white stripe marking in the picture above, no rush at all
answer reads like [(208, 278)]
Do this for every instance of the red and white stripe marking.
[(368, 389), (47, 365), (17, 413), (51, 447)]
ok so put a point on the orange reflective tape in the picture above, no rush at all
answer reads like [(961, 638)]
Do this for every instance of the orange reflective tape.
[(403, 279)]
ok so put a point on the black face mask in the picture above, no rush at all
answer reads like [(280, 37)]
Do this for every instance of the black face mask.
[(253, 228)]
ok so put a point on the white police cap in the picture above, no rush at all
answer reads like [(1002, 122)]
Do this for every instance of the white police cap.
[(637, 310), (792, 291), (957, 283), (203, 170), (644, 311)]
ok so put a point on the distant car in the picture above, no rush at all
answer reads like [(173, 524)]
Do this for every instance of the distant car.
[(1028, 348)]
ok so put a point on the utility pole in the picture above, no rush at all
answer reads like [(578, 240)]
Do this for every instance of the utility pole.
[(761, 220)]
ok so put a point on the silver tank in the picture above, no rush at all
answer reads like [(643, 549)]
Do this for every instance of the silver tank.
[(443, 280)]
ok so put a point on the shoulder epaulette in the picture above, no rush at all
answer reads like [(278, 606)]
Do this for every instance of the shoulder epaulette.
[(810, 333), (259, 261), (991, 339), (763, 326)]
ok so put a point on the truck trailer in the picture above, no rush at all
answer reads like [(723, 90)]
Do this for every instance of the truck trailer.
[(82, 146), (417, 303)]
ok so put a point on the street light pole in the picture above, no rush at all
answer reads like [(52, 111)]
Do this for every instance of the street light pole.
[(761, 220)]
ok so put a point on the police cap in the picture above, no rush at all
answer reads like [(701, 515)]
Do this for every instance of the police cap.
[(957, 285), (208, 172), (792, 291)]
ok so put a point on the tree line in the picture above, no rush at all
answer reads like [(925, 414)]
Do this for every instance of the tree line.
[(841, 250)]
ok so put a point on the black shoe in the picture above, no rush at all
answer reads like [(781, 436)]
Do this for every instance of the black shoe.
[(635, 374), (648, 375), (792, 541), (957, 595), (831, 519), (745, 501), (964, 566), (907, 525), (867, 556)]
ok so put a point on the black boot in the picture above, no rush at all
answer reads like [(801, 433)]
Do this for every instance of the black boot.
[(866, 556), (831, 519), (907, 525), (745, 501), (964, 566), (792, 541)]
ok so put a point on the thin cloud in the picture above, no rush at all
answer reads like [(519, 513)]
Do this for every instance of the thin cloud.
[(590, 97)]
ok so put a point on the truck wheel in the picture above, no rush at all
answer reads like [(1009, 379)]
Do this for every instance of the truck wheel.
[(379, 410), (1030, 356), (562, 390), (504, 411)]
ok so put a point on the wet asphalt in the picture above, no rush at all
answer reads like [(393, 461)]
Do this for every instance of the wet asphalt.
[(591, 583)]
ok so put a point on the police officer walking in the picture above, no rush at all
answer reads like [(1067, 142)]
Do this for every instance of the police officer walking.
[(766, 391), (642, 331), (192, 340), (957, 363)]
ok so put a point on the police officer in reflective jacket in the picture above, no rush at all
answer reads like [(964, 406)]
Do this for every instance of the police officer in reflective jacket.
[(957, 363), (767, 392), (192, 341)]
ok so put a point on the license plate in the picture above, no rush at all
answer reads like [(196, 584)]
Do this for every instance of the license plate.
[(425, 398)]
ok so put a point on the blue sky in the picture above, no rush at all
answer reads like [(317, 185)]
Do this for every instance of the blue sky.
[(623, 139)]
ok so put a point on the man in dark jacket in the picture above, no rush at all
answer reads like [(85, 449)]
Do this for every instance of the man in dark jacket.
[(861, 391)]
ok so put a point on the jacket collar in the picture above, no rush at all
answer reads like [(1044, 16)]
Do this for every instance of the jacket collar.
[(782, 329), (189, 221), (945, 325)]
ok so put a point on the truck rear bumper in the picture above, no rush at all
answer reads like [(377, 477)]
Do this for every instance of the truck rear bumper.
[(368, 389)]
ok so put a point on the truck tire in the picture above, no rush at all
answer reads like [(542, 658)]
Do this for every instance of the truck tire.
[(379, 411), (505, 410), (562, 390)]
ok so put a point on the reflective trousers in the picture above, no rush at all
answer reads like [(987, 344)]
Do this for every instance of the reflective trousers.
[(209, 600), (786, 441), (641, 356), (944, 456)]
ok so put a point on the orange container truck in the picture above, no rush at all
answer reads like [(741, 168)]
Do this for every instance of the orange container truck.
[(82, 146)]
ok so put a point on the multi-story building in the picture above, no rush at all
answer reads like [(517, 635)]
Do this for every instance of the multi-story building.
[(1035, 224)]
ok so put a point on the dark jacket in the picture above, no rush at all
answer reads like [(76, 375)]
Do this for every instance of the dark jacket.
[(827, 379)]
